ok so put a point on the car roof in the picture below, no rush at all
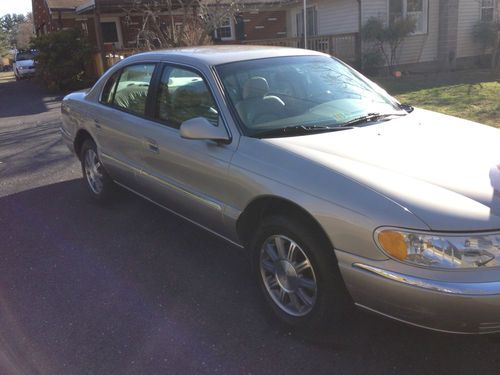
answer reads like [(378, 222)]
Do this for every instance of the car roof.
[(216, 55)]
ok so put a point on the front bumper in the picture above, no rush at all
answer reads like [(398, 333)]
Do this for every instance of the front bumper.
[(25, 73), (450, 301)]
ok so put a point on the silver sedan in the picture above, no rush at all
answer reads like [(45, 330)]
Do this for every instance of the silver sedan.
[(341, 194)]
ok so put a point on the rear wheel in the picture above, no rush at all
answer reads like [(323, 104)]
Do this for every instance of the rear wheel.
[(298, 274), (97, 181)]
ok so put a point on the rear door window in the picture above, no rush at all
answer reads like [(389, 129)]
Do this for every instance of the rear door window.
[(131, 89)]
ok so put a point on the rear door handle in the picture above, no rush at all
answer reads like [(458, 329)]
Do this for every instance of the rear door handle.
[(152, 145), (97, 124)]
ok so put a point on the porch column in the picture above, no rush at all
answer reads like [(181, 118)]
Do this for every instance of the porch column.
[(98, 36)]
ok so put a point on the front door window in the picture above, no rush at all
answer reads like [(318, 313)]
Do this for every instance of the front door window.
[(184, 95)]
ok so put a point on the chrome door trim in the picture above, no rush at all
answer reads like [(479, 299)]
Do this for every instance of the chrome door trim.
[(122, 163), (206, 201), (181, 216)]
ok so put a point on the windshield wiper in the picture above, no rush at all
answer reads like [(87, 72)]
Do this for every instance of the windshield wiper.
[(369, 118), (298, 130), (406, 107)]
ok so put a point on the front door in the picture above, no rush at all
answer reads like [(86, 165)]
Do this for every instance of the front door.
[(187, 176)]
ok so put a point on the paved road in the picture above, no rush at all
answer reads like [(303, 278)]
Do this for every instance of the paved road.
[(131, 289)]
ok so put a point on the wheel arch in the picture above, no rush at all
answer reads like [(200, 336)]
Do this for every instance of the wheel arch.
[(263, 206), (81, 136)]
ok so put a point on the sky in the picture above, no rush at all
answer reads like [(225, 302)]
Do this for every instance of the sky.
[(14, 6)]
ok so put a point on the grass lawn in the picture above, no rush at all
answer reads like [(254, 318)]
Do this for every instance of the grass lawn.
[(474, 94)]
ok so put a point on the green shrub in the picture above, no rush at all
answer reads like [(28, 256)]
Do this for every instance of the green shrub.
[(372, 62), (62, 59), (485, 33)]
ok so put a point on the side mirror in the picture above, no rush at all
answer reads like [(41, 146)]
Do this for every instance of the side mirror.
[(201, 128)]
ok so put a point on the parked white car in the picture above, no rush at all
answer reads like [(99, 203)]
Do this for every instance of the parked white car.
[(24, 64)]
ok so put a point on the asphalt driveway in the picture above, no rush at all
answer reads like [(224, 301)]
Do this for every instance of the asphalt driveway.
[(131, 289)]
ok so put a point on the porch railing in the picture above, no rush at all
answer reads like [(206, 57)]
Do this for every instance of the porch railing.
[(343, 46)]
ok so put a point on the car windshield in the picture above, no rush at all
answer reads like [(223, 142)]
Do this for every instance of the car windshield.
[(25, 56), (303, 93)]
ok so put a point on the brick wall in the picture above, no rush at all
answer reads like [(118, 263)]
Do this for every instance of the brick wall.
[(264, 24), (41, 17)]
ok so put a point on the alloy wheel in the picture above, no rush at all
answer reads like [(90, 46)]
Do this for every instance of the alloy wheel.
[(93, 171), (288, 275)]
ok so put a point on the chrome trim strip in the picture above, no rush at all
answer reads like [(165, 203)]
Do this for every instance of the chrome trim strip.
[(205, 201), (466, 289), (135, 169), (172, 186), (181, 216)]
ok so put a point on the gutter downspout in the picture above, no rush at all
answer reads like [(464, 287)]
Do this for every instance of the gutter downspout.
[(305, 24), (59, 20)]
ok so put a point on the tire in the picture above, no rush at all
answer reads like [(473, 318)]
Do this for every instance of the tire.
[(97, 181), (303, 288)]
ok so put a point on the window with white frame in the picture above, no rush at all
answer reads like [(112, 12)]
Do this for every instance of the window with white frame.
[(487, 10), (415, 9), (225, 31)]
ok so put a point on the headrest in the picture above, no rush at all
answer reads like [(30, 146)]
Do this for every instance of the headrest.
[(255, 87)]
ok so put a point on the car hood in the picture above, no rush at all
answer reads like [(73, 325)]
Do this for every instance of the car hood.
[(25, 63), (443, 169)]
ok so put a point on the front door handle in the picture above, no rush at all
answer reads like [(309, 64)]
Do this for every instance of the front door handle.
[(152, 145)]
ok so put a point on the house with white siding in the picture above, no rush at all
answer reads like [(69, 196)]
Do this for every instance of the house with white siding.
[(443, 36)]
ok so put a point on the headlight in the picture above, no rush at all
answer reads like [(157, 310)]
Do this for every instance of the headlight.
[(20, 67), (441, 250)]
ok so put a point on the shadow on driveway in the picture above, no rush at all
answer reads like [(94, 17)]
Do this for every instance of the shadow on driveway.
[(130, 288), (30, 148), (25, 97)]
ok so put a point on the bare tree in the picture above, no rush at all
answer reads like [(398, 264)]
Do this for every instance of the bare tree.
[(4, 44), (24, 32), (177, 23)]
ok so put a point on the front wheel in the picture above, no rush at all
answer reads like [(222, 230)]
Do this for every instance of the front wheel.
[(97, 181), (298, 274)]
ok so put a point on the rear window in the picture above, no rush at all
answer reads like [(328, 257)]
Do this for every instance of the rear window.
[(110, 88), (128, 89), (25, 56)]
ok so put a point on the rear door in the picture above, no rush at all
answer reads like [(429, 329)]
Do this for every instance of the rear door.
[(118, 121)]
